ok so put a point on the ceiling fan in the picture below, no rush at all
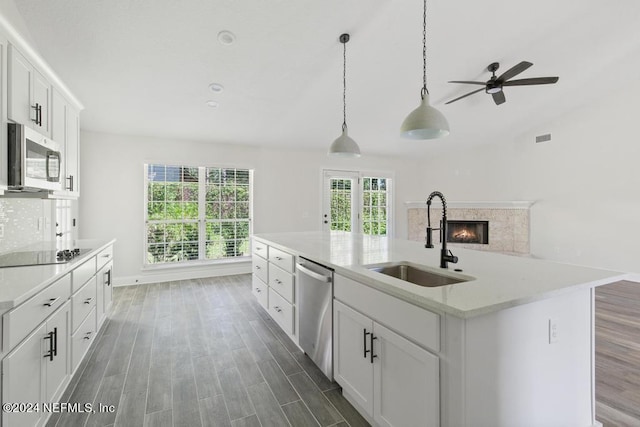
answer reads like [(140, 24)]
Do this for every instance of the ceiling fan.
[(495, 84)]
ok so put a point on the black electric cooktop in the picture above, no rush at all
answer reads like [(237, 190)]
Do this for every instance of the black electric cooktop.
[(20, 259)]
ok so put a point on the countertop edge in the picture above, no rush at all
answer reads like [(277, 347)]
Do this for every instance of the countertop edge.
[(432, 305), (8, 305)]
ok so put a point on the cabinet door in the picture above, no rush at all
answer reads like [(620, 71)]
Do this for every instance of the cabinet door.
[(58, 119), (20, 77), (42, 98), (57, 370), (23, 378), (72, 152), (108, 287), (406, 382), (352, 368)]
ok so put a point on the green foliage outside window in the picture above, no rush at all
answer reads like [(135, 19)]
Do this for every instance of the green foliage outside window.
[(174, 211)]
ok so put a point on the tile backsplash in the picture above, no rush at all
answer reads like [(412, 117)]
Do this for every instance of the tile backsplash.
[(24, 222)]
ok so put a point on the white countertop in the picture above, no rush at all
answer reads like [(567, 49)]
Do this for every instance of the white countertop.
[(498, 281), (17, 284)]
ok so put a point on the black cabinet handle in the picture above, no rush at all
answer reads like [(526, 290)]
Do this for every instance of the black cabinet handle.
[(373, 356), (88, 300), (50, 352), (70, 179), (364, 342), (55, 341), (51, 302), (108, 274), (38, 119)]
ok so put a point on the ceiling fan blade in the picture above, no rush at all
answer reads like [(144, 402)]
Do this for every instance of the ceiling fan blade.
[(531, 81), (464, 96), (514, 71), (468, 82), (498, 97)]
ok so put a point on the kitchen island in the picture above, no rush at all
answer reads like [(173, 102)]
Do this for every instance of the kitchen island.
[(510, 345)]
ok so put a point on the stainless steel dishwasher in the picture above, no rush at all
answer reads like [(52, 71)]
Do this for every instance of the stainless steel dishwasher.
[(315, 303)]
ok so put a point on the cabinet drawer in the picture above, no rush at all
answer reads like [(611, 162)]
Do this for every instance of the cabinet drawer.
[(260, 249), (82, 303), (17, 323), (82, 273), (413, 322), (281, 282), (281, 259), (281, 311), (104, 256), (261, 292), (82, 339), (260, 268)]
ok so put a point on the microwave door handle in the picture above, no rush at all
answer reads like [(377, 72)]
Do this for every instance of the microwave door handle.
[(50, 155)]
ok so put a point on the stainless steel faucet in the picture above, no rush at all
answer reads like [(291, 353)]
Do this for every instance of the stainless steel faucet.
[(445, 255)]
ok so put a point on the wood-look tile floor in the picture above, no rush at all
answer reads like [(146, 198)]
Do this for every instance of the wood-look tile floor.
[(617, 325), (200, 353)]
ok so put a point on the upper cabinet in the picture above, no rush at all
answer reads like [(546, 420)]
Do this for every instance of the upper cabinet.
[(29, 96), (32, 95), (65, 130)]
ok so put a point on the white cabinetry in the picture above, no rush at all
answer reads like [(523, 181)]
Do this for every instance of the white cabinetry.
[(65, 129), (45, 337), (392, 380), (29, 94), (37, 370), (273, 285)]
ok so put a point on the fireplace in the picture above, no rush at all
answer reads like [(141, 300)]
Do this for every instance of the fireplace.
[(468, 232)]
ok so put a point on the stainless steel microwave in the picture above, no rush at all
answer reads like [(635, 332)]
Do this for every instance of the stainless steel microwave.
[(34, 160)]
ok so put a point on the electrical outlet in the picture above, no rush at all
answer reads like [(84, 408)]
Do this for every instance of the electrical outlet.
[(39, 224), (553, 331)]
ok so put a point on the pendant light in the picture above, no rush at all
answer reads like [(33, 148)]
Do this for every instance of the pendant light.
[(344, 145), (425, 122)]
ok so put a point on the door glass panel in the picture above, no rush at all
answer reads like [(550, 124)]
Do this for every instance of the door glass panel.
[(340, 199)]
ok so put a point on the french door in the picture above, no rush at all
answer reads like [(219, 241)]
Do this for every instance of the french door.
[(357, 201)]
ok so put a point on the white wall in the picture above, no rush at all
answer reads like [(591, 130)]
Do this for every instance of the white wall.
[(287, 190), (585, 182)]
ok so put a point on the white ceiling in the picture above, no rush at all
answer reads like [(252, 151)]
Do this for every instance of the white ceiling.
[(142, 67)]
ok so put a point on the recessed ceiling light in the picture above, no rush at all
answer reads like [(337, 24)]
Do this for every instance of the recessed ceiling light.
[(226, 37), (212, 104), (216, 87)]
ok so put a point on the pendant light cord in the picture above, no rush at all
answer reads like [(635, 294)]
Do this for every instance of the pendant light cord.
[(424, 50), (344, 85)]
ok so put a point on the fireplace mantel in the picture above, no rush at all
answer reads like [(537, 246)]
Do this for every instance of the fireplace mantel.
[(513, 204)]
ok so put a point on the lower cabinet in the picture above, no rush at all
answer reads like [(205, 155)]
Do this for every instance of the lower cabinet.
[(104, 292), (394, 381), (37, 370)]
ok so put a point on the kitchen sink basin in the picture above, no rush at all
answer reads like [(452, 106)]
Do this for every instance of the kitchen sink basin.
[(416, 274)]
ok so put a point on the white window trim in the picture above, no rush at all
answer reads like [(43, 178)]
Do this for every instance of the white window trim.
[(201, 222)]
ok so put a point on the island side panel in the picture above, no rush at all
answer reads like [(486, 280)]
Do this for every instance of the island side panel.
[(514, 375)]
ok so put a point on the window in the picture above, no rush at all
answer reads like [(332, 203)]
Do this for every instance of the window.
[(196, 213), (357, 201)]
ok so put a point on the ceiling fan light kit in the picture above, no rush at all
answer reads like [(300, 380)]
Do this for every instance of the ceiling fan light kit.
[(344, 145), (425, 122)]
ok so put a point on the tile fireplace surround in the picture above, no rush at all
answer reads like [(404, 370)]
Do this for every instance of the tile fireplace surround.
[(508, 223)]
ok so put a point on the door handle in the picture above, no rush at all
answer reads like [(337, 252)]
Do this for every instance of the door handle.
[(50, 352), (51, 302), (364, 342), (320, 277), (371, 338)]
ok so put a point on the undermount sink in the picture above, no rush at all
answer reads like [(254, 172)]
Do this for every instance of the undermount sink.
[(416, 274)]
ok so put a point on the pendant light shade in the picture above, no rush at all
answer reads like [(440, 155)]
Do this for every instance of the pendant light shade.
[(344, 145), (425, 122)]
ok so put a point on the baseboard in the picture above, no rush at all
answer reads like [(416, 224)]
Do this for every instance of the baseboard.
[(167, 275)]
